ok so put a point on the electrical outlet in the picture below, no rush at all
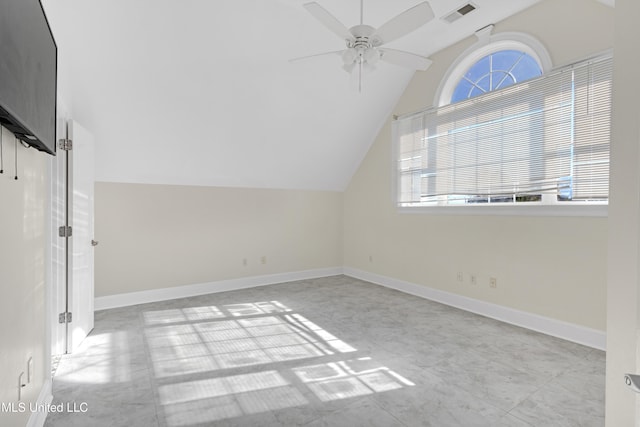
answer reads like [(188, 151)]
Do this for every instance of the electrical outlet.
[(244, 262), (460, 276), (474, 279), (370, 258), (263, 259), (493, 282)]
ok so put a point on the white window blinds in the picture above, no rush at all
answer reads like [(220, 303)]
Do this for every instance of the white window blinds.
[(548, 136)]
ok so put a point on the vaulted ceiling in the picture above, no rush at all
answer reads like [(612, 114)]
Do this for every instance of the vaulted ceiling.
[(201, 92)]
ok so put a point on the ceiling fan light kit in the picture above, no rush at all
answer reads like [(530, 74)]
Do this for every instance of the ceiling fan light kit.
[(363, 42)]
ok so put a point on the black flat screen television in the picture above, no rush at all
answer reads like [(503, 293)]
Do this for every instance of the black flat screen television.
[(28, 73)]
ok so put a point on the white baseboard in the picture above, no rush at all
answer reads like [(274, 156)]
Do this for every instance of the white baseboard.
[(45, 397), (557, 328), (142, 297)]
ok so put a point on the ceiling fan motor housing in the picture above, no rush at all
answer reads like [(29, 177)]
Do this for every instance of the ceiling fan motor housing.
[(362, 47)]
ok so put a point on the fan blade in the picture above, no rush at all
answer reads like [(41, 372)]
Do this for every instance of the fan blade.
[(302, 58), (403, 24), (405, 59), (328, 20)]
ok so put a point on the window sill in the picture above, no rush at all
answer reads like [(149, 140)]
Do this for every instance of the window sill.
[(590, 210)]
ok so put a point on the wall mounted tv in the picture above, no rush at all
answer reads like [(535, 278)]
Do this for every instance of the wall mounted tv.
[(28, 73)]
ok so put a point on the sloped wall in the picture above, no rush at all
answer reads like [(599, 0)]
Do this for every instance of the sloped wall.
[(550, 266)]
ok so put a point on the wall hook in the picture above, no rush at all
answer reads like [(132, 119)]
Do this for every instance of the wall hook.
[(1, 156), (15, 140)]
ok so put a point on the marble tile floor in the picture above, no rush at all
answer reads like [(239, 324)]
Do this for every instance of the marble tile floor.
[(334, 351)]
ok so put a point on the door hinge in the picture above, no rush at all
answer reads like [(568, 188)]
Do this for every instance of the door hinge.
[(65, 231), (65, 318), (65, 144)]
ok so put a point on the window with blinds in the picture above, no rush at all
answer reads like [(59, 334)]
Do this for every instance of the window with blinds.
[(543, 141)]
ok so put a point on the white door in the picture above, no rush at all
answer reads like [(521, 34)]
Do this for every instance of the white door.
[(58, 245), (81, 178)]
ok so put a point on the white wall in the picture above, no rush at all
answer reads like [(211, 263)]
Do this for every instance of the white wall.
[(159, 236), (550, 266), (622, 405), (22, 275)]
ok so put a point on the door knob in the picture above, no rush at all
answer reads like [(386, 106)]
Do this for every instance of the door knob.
[(633, 381), (94, 242)]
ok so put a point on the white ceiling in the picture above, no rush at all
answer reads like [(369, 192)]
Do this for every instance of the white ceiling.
[(201, 92)]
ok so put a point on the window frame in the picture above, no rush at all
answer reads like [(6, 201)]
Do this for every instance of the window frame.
[(486, 46), (498, 70), (560, 209), (596, 209)]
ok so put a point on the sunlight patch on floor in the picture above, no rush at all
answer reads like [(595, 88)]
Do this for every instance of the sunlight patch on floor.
[(214, 399), (202, 346), (95, 369), (211, 340), (340, 380)]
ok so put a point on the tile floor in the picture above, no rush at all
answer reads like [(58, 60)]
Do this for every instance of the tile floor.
[(326, 352)]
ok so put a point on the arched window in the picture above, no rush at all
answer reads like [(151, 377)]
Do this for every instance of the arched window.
[(496, 71), (494, 62), (542, 142)]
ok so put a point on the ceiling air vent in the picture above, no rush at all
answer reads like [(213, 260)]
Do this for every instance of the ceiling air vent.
[(459, 13)]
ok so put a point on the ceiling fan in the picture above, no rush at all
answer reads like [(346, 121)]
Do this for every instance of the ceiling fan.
[(365, 43)]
